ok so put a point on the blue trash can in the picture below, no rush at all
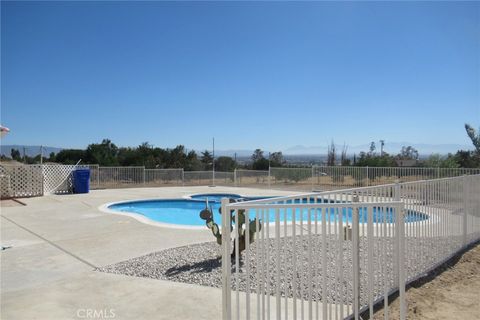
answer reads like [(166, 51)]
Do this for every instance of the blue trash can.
[(81, 181)]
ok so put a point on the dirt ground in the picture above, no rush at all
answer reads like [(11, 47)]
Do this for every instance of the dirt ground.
[(452, 291)]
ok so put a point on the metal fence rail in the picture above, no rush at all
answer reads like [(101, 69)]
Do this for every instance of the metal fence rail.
[(203, 178), (343, 260), (163, 177), (121, 177), (251, 178), (316, 178)]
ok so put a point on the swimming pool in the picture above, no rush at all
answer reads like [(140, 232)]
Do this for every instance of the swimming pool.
[(186, 212)]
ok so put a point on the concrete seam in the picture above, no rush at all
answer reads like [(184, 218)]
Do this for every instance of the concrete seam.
[(51, 243)]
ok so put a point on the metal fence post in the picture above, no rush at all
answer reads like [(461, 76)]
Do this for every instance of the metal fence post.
[(400, 238), (396, 190), (397, 262), (98, 176), (226, 261), (144, 176), (313, 178), (356, 258), (235, 177), (368, 178), (269, 177), (183, 177), (465, 195), (213, 176)]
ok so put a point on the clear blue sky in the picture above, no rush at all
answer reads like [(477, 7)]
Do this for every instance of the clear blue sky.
[(268, 75)]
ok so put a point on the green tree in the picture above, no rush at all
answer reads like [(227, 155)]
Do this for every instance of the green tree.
[(474, 136), (408, 153), (467, 159), (366, 159), (276, 159), (259, 162), (331, 154), (437, 161), (433, 161), (192, 162), (104, 153), (207, 160), (257, 155), (15, 153), (343, 159), (51, 157), (176, 157), (145, 152), (225, 164), (129, 157), (70, 156)]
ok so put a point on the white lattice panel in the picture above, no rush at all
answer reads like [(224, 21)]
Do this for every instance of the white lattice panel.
[(25, 180), (58, 178), (5, 186)]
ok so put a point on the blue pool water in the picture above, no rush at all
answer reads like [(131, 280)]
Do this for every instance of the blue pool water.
[(186, 211)]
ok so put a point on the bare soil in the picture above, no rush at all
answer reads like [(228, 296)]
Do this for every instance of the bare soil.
[(451, 291)]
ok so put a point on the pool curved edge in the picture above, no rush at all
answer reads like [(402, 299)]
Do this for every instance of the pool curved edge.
[(432, 218), (141, 218)]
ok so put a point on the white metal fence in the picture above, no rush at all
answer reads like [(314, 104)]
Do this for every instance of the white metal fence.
[(337, 177), (24, 180), (159, 177), (251, 178), (326, 256), (203, 178)]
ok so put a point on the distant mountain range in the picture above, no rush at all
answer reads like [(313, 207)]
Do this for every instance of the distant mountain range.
[(390, 147)]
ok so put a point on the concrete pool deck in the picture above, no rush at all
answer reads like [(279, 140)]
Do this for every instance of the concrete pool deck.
[(57, 241)]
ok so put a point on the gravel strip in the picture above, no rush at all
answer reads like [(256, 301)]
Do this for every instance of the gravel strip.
[(201, 264)]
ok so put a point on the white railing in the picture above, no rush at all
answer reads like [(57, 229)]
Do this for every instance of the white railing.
[(163, 177), (251, 178), (320, 178), (323, 255), (121, 177), (203, 178)]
